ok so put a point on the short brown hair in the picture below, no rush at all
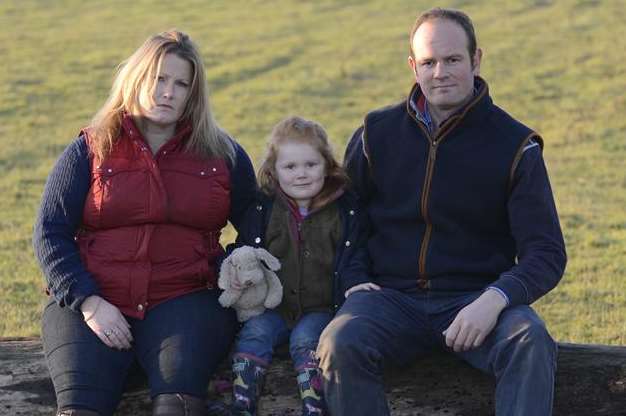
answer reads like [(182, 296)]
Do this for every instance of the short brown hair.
[(456, 16), (301, 130)]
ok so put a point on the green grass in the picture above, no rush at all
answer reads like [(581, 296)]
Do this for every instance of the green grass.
[(556, 65)]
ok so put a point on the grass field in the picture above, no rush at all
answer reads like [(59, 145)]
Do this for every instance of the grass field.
[(557, 65)]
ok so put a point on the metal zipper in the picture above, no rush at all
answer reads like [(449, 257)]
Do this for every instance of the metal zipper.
[(422, 280)]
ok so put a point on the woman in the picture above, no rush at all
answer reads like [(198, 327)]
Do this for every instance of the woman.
[(128, 239)]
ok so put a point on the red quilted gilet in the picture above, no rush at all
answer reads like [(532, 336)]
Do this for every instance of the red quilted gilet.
[(151, 223)]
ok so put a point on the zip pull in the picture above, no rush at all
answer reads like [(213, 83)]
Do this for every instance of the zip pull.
[(433, 149)]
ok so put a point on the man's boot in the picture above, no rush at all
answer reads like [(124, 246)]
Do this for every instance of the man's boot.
[(248, 376)]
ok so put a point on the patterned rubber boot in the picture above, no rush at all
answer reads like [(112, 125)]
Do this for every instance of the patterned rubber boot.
[(248, 376), (310, 388)]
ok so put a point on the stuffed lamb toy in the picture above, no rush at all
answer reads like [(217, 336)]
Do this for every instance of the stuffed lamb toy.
[(254, 269)]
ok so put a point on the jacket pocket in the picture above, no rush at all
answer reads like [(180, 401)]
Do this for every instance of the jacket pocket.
[(198, 193), (119, 196)]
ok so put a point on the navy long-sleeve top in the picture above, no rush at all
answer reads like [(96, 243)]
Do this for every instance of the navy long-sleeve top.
[(465, 208)]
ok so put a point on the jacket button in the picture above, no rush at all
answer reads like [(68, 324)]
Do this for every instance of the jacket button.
[(109, 170), (202, 173), (140, 307), (306, 253), (351, 212), (259, 207), (348, 243), (214, 170), (257, 240)]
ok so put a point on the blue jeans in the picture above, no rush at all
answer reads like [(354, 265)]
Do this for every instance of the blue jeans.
[(261, 334), (179, 345), (375, 328)]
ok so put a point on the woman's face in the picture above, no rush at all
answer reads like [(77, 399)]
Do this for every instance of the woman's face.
[(171, 93)]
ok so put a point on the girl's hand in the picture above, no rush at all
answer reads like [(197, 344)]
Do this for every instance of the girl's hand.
[(362, 286), (107, 322), (235, 284)]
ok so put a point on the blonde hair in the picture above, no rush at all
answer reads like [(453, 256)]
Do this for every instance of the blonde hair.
[(298, 129), (138, 75)]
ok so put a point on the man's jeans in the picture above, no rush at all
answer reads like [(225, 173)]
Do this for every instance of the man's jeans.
[(377, 328), (262, 333)]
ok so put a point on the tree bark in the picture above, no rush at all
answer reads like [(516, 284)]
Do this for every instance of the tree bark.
[(591, 380)]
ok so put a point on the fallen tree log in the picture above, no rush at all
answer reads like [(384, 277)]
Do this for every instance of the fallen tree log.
[(591, 380)]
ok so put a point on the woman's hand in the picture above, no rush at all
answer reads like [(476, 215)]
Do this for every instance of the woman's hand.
[(362, 286), (107, 322)]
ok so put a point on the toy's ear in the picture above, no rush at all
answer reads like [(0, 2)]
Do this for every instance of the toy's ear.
[(274, 290), (227, 271), (270, 261)]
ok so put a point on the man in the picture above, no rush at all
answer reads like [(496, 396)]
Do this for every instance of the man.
[(464, 236)]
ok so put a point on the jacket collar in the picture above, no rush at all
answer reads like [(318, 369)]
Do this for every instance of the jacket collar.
[(473, 111), (292, 206), (129, 128)]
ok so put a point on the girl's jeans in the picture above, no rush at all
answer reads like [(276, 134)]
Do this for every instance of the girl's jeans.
[(261, 334)]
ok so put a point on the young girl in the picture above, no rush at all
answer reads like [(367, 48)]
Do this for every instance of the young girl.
[(307, 219)]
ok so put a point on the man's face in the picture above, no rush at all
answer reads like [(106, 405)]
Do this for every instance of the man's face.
[(442, 65)]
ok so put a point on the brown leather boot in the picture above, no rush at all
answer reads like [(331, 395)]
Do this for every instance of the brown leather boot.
[(178, 404)]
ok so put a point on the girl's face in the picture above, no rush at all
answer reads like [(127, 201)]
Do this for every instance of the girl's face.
[(300, 171)]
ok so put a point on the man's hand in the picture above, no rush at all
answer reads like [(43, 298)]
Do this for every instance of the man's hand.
[(475, 321), (362, 286), (107, 322)]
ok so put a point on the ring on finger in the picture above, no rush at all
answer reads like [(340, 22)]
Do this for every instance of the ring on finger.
[(108, 332)]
